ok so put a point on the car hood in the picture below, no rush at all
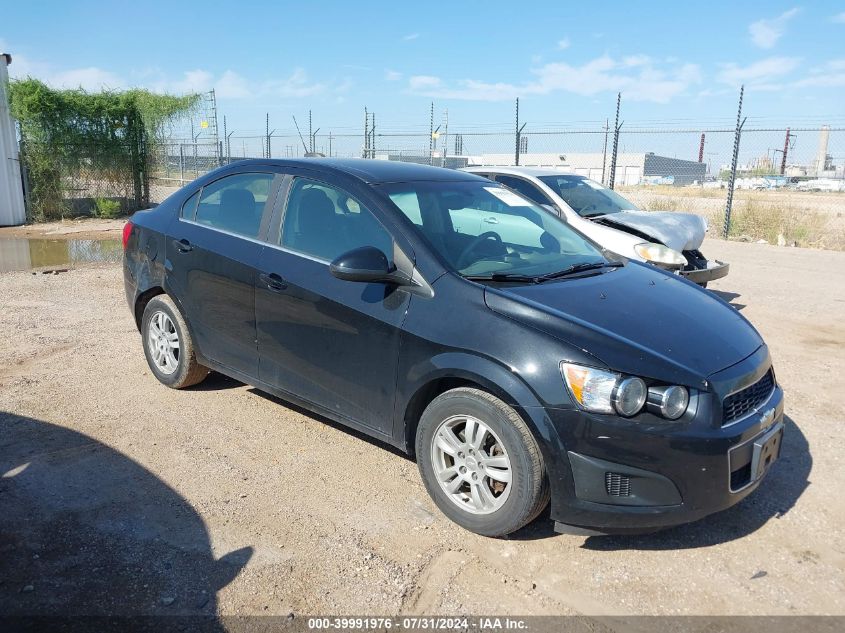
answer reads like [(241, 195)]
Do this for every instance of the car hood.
[(680, 231), (635, 319)]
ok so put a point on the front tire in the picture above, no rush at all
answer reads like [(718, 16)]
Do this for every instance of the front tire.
[(480, 462), (168, 346)]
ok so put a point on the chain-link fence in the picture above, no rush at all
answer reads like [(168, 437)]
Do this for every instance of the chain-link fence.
[(779, 179)]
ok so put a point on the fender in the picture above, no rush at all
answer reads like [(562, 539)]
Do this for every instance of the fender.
[(499, 380)]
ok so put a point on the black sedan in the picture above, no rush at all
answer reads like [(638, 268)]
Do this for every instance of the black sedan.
[(520, 364)]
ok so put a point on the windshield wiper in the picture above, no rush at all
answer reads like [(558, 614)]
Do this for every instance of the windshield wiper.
[(505, 277), (579, 268), (538, 279)]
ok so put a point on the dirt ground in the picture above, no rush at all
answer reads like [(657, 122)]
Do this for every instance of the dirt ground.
[(119, 495)]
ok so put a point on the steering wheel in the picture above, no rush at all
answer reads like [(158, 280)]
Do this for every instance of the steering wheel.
[(489, 235)]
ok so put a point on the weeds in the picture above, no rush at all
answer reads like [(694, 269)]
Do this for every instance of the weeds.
[(106, 208)]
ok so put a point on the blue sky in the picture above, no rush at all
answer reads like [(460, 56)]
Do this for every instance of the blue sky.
[(673, 61)]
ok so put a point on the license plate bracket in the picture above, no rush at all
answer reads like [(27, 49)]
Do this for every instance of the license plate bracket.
[(766, 451)]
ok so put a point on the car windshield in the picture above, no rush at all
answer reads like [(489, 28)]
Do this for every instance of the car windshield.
[(586, 197), (483, 229)]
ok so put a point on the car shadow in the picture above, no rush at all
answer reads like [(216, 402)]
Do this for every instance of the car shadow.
[(216, 382), (729, 298), (87, 531)]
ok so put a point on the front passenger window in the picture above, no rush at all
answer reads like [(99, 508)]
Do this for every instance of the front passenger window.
[(235, 203), (326, 222)]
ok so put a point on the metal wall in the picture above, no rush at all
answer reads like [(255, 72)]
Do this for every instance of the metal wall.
[(12, 211)]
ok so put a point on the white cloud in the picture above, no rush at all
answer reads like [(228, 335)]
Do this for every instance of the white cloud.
[(422, 83), (563, 44), (829, 75), (758, 73), (766, 32), (232, 86), (637, 76), (839, 18), (392, 75), (410, 36), (296, 85)]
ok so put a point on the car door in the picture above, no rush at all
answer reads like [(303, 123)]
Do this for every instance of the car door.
[(330, 342), (213, 249)]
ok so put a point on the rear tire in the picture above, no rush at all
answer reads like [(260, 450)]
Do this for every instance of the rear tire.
[(480, 462), (168, 346)]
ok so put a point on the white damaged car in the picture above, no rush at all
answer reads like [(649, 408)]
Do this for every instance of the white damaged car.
[(668, 240)]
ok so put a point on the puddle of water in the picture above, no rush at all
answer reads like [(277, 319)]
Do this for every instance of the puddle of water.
[(19, 253)]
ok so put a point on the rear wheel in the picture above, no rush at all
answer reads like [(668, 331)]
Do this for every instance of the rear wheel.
[(480, 462), (168, 346)]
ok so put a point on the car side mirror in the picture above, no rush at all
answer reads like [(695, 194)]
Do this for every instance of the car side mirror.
[(366, 264)]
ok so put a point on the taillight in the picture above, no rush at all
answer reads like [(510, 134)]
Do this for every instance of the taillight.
[(127, 231)]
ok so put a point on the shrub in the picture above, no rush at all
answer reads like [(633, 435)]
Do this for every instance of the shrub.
[(105, 208)]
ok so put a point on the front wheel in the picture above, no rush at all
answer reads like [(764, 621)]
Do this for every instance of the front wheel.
[(480, 462), (168, 345)]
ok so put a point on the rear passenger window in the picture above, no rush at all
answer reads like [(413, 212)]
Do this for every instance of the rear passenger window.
[(235, 203), (325, 222), (190, 206)]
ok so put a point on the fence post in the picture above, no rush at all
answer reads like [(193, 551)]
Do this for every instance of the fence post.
[(181, 164), (431, 136), (732, 180)]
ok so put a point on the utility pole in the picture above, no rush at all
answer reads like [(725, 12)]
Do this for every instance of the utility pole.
[(701, 149), (310, 133), (267, 133), (373, 135)]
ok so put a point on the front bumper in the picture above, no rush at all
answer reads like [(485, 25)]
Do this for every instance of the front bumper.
[(714, 270), (628, 477)]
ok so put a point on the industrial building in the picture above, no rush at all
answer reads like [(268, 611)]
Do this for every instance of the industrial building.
[(631, 168)]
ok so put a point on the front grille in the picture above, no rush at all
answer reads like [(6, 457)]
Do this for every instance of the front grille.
[(743, 402), (617, 485)]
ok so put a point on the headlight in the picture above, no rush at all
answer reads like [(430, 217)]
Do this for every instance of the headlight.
[(660, 254), (602, 391), (592, 388), (629, 396), (670, 402)]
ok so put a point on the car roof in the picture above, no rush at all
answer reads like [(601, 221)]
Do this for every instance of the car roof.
[(371, 171), (521, 171)]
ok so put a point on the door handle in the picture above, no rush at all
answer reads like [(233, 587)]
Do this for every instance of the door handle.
[(273, 281), (491, 220), (183, 246)]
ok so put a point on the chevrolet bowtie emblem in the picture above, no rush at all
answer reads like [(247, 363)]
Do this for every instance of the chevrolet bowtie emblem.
[(768, 418)]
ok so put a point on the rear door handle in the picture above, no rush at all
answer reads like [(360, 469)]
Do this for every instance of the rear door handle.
[(491, 220), (183, 246), (273, 281)]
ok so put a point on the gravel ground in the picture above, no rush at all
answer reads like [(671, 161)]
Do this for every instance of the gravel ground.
[(119, 495)]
